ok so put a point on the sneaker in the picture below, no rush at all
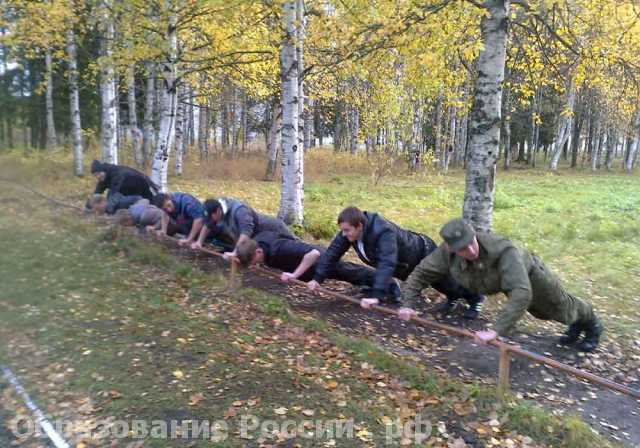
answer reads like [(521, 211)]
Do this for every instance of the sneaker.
[(474, 309), (445, 307), (593, 330), (572, 334)]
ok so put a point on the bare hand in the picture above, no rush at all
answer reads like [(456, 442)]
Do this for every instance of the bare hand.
[(196, 245), (286, 277), (483, 337), (229, 255), (406, 314), (184, 242), (368, 303), (160, 234), (313, 285), (150, 229)]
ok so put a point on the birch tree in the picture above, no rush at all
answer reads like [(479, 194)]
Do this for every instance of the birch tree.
[(633, 149), (180, 132), (148, 134), (74, 103), (52, 137), (485, 117), (273, 140), (136, 133), (168, 101), (564, 129), (292, 194), (109, 120)]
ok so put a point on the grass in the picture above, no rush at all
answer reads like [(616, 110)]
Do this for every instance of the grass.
[(137, 333)]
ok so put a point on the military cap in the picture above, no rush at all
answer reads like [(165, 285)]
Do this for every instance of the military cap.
[(457, 234)]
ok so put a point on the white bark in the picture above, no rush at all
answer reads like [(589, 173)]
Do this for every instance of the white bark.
[(168, 102), (564, 129), (179, 138), (292, 194), (634, 144), (300, 34), (484, 128), (148, 136), (74, 103), (273, 141), (109, 136), (52, 138), (136, 133)]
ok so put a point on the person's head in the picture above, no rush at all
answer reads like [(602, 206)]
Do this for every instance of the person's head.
[(97, 204), (151, 217), (460, 238), (249, 253), (213, 210), (122, 217), (98, 170), (163, 201), (351, 223)]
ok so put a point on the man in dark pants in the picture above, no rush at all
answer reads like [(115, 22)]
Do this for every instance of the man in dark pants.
[(298, 260), (232, 222), (393, 251), (121, 180), (488, 263), (185, 210)]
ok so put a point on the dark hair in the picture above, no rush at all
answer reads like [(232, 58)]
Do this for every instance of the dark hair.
[(351, 215), (211, 206), (246, 251), (159, 199)]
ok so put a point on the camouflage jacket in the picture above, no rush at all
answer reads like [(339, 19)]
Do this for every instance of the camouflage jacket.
[(500, 267)]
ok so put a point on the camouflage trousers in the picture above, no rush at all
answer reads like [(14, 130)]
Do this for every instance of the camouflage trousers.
[(550, 301)]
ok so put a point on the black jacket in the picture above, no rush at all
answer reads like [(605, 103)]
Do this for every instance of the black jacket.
[(283, 252), (393, 251), (123, 180)]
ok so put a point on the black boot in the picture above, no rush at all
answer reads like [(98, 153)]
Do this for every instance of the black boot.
[(474, 309), (593, 330), (572, 334)]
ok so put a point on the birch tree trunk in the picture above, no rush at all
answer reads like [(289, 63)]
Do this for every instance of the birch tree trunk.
[(52, 137), (273, 141), (109, 129), (300, 36), (292, 196), (203, 132), (168, 103), (485, 119), (309, 140), (354, 129), (74, 103), (437, 149), (612, 142), (633, 149), (564, 129), (148, 136), (179, 131), (136, 134)]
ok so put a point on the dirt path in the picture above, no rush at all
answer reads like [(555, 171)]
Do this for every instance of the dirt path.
[(612, 414)]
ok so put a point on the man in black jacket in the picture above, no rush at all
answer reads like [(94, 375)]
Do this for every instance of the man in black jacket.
[(391, 250), (298, 259), (121, 181)]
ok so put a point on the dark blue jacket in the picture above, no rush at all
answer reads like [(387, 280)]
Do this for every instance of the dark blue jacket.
[(187, 210), (393, 251)]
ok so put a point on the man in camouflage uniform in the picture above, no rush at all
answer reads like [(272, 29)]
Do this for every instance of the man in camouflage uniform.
[(487, 264)]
